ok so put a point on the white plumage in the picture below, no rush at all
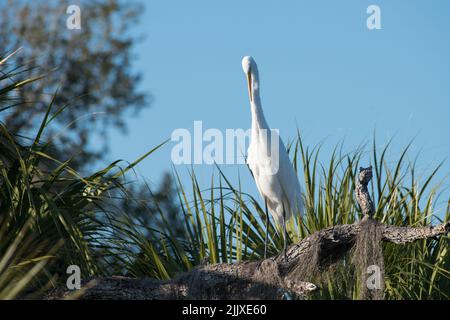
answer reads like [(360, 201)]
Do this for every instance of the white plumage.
[(272, 170)]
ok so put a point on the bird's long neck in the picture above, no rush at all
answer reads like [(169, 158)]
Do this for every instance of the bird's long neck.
[(258, 119)]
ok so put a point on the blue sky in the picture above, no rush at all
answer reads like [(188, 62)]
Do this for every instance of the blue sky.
[(321, 70)]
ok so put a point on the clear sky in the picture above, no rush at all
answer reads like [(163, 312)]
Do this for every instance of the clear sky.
[(321, 70)]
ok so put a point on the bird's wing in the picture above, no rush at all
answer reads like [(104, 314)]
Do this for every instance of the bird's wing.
[(287, 178), (268, 185)]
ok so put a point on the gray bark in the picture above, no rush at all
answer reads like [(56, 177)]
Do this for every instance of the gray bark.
[(266, 279)]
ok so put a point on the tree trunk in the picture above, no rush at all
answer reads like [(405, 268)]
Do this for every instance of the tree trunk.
[(269, 278)]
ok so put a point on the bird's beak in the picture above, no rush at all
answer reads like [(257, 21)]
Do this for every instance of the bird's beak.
[(249, 84)]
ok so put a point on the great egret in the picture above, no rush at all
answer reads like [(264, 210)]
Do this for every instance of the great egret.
[(269, 162)]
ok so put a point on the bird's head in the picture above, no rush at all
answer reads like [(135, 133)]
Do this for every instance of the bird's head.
[(251, 72), (247, 63)]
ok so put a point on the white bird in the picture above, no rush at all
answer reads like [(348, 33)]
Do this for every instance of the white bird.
[(269, 162)]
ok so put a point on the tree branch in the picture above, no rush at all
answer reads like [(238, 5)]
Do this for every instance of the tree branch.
[(362, 193), (270, 278), (266, 279), (402, 235)]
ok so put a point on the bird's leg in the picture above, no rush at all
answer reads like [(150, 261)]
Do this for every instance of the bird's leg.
[(284, 234), (267, 231)]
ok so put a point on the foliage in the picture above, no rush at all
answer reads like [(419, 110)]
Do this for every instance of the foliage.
[(92, 67), (51, 217)]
